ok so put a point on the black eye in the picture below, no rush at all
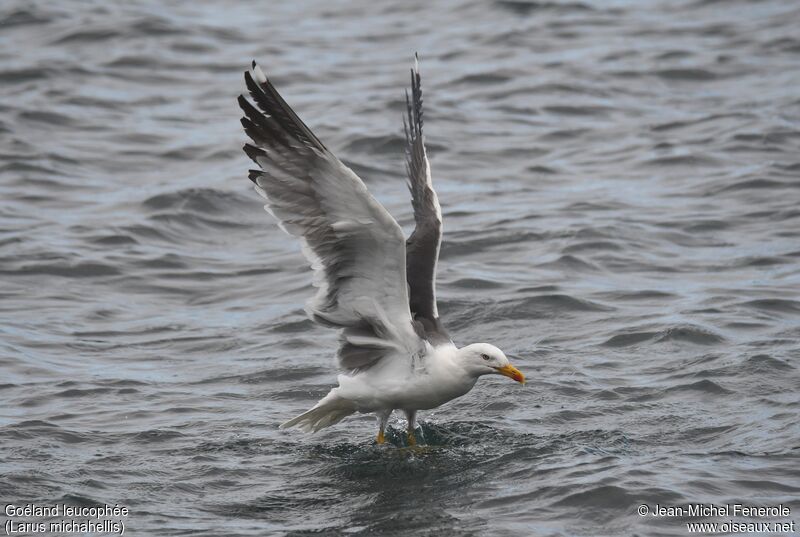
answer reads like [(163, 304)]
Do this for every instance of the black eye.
[(486, 357)]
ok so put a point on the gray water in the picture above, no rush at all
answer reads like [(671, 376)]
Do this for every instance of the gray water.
[(620, 186)]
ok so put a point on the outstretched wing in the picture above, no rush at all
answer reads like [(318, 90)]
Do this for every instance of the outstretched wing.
[(354, 245), (423, 245)]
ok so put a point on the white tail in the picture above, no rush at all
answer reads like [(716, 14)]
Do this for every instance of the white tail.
[(329, 411)]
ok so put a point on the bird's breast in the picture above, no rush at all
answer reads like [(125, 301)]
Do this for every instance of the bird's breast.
[(395, 385), (426, 390)]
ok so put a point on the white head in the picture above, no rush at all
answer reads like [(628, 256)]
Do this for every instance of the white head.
[(484, 359)]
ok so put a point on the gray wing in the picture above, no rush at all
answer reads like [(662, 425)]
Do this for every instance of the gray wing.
[(354, 245), (424, 243)]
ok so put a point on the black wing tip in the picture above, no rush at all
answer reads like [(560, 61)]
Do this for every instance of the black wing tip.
[(258, 89), (267, 98), (254, 152), (254, 175), (250, 83), (414, 103), (255, 68), (251, 115)]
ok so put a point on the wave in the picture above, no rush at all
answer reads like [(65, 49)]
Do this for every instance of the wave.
[(680, 333), (82, 269), (774, 305)]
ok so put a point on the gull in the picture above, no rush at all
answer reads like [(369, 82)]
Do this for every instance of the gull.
[(373, 285)]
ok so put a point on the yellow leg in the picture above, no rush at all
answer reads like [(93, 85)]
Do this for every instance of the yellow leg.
[(383, 419), (411, 417)]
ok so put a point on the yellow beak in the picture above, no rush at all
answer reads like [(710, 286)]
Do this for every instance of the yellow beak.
[(512, 372)]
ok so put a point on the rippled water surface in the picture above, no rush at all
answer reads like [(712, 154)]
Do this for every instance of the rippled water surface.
[(620, 185)]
